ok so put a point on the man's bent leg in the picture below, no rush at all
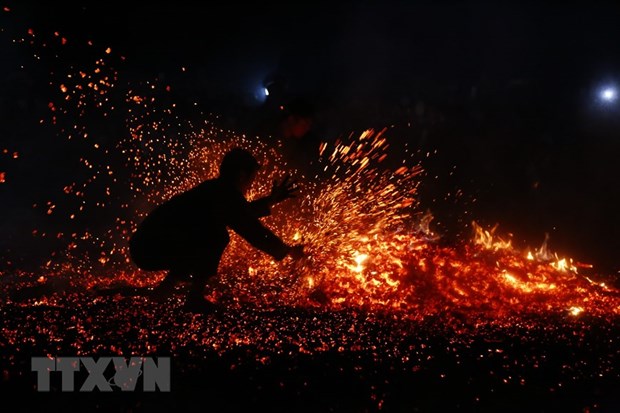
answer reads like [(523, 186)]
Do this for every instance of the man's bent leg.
[(166, 287), (196, 301), (205, 267), (199, 281)]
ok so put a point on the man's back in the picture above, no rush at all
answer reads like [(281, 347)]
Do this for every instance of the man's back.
[(197, 221)]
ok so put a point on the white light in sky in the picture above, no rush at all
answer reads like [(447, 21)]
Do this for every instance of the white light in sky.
[(609, 94)]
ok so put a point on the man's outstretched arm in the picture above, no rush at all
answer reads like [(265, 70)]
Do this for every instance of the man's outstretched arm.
[(261, 207), (259, 236), (279, 192)]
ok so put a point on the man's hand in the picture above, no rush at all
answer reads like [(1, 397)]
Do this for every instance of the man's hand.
[(297, 252), (283, 190)]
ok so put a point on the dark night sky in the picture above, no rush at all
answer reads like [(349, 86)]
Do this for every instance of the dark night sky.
[(507, 93)]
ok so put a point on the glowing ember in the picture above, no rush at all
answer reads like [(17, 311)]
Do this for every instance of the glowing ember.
[(376, 269), (370, 245)]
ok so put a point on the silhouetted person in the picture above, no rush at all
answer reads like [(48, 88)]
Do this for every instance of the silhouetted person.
[(291, 125), (188, 234)]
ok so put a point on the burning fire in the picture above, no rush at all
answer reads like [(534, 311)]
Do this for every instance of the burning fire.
[(369, 244)]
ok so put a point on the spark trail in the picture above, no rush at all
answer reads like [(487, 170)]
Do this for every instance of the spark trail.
[(370, 246)]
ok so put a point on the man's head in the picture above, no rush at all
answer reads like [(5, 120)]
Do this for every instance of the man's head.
[(239, 167)]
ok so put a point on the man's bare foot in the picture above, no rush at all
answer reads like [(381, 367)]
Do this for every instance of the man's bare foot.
[(200, 305)]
